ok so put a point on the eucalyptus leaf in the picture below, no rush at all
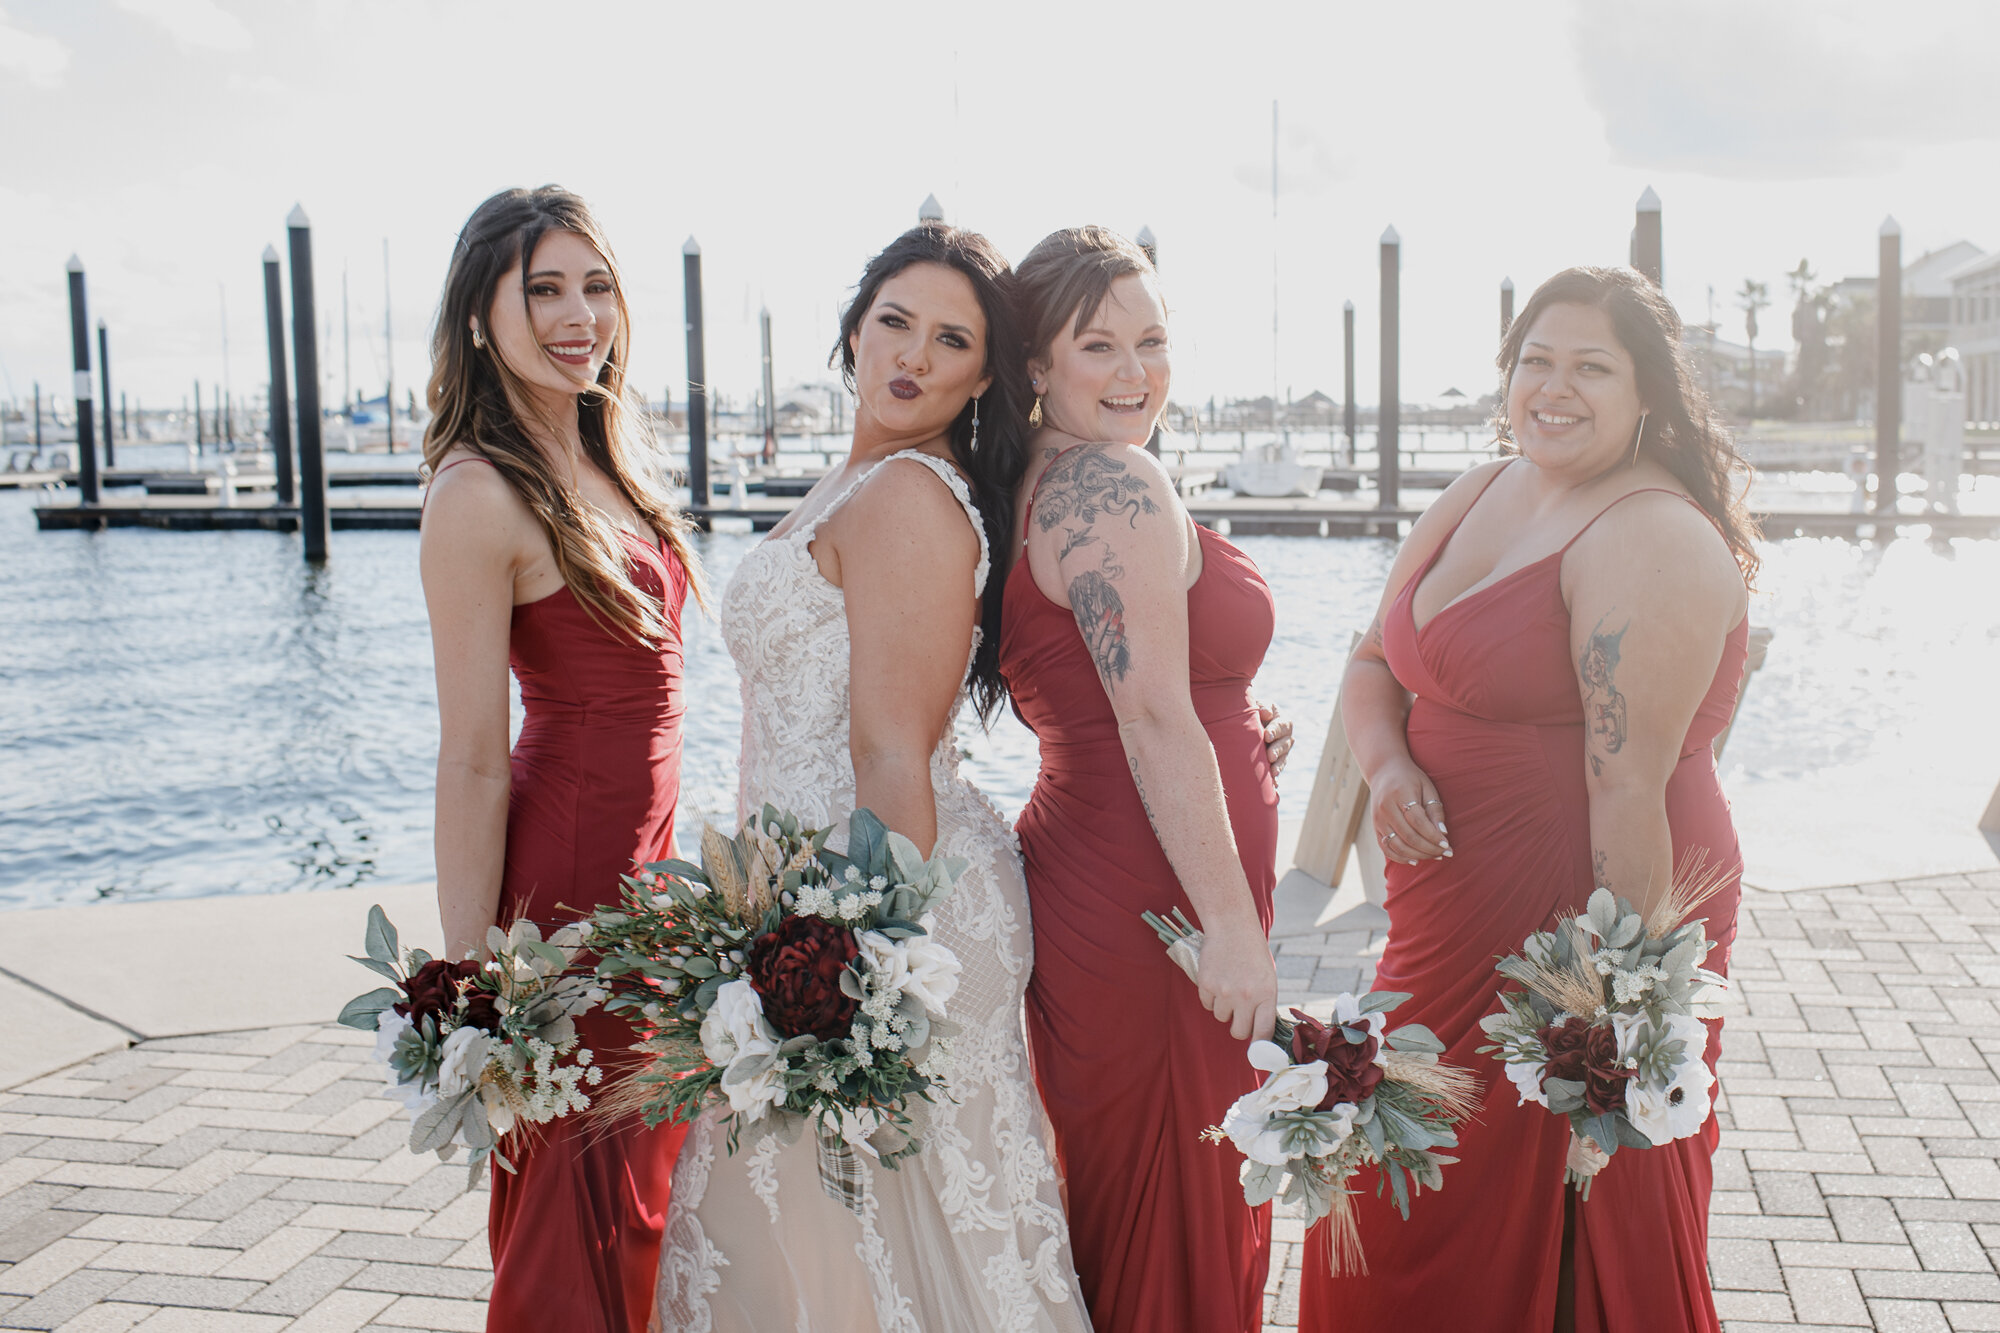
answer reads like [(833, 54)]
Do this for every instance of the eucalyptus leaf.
[(364, 1011), (1399, 1183), (1603, 1131), (1415, 1037), (1381, 1001), (747, 1068), (805, 1041), (381, 938), (435, 1127), (377, 965), (866, 841), (478, 1128), (1564, 1094), (698, 966), (416, 958), (561, 1029), (1261, 1182)]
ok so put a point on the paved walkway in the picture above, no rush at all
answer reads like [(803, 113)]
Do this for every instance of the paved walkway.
[(255, 1181)]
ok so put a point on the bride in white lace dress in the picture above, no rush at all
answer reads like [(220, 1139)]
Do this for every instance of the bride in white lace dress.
[(858, 628)]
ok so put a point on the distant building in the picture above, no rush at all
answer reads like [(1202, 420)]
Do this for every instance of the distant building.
[(1723, 367), (1975, 331)]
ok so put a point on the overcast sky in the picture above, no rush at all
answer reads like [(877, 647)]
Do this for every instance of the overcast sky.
[(165, 141)]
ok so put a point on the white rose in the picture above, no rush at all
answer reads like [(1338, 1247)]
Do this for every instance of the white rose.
[(1291, 1088), (735, 1029), (884, 960), (1679, 1108), (1527, 1080), (462, 1060), (919, 966)]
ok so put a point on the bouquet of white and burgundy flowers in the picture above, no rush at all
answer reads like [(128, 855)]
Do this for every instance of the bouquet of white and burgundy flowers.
[(1340, 1096), (1608, 1031), (789, 981), (474, 1048)]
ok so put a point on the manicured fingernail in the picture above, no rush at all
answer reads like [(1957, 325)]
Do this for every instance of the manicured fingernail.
[(1441, 828)]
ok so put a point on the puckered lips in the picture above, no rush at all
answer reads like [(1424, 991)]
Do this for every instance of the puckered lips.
[(905, 388)]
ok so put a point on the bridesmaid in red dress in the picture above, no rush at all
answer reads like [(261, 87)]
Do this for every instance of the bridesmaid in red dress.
[(1560, 643), (1129, 640), (557, 554)]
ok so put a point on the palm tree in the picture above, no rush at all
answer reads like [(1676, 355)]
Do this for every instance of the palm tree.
[(1754, 297)]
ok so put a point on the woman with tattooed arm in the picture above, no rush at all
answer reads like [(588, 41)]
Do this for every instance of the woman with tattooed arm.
[(1129, 640), (1559, 644)]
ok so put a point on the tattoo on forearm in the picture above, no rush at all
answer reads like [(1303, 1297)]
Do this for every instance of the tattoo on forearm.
[(1601, 869), (1603, 705), (1144, 804), (1100, 615), (1373, 638), (1090, 485)]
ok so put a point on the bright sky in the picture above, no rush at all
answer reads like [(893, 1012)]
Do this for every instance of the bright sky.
[(165, 141)]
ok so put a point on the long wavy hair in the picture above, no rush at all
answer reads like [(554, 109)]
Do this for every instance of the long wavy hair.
[(993, 466), (1681, 430), (479, 403)]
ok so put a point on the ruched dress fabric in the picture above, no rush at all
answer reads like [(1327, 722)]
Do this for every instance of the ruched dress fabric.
[(1130, 1065), (968, 1235), (1498, 725), (575, 1230)]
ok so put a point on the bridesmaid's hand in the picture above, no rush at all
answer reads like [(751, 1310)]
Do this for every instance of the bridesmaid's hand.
[(1407, 816), (1277, 737), (1239, 982)]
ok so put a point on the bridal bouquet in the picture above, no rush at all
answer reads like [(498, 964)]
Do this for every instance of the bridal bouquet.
[(789, 981), (1340, 1096), (1608, 1031), (474, 1048)]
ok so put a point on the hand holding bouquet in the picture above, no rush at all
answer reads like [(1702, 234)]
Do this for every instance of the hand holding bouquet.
[(789, 981), (1608, 1031), (1339, 1096), (474, 1048)]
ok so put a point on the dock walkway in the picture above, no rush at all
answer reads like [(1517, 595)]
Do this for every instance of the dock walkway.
[(254, 1180)]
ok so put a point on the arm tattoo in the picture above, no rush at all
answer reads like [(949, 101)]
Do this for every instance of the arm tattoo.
[(1144, 804), (1601, 866), (1090, 486), (1603, 705), (1100, 615), (1373, 639)]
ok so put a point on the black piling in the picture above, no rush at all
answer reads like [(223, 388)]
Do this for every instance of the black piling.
[(1389, 460), (38, 418), (124, 417), (1888, 364), (1506, 306), (697, 380), (104, 384), (197, 419), (281, 399), (770, 454), (1646, 236), (313, 524), (1347, 413), (79, 336), (1151, 246)]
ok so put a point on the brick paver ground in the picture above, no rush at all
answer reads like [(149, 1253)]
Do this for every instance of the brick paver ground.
[(256, 1181)]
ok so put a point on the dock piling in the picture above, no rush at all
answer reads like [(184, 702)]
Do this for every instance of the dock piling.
[(1347, 358), (1506, 307), (79, 335), (281, 401), (1388, 459), (1888, 363), (38, 422), (197, 419), (697, 380), (313, 526), (104, 382), (1151, 246), (1646, 236)]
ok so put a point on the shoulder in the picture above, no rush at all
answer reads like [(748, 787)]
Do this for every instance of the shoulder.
[(909, 496), (1452, 505), (474, 505), (1660, 539), (1094, 481)]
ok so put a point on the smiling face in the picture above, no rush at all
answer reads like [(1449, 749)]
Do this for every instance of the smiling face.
[(1573, 401), (555, 327), (919, 353), (1109, 381)]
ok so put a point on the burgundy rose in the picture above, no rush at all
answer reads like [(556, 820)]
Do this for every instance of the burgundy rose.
[(482, 1008), (796, 969), (433, 989), (1564, 1042), (1351, 1071), (1604, 1078)]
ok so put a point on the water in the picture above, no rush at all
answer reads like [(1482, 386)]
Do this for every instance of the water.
[(198, 713)]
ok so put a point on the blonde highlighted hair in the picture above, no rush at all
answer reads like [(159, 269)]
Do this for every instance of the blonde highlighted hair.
[(478, 403)]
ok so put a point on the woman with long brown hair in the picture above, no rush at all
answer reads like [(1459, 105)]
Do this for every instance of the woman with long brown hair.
[(549, 545), (1559, 644)]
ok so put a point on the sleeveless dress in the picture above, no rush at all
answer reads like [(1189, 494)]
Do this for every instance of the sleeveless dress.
[(1130, 1065), (575, 1230), (968, 1235), (1498, 725)]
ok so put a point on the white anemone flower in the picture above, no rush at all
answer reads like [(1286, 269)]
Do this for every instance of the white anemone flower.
[(734, 1029), (1680, 1107), (1290, 1088)]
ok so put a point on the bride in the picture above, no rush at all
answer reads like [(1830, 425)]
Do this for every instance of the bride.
[(858, 628)]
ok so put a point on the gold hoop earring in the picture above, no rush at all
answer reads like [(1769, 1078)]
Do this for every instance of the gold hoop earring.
[(1035, 412), (1636, 439)]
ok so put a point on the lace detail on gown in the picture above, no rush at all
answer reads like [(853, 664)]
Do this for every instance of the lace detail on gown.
[(968, 1236)]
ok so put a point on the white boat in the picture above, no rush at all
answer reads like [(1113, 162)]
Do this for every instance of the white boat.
[(1267, 471)]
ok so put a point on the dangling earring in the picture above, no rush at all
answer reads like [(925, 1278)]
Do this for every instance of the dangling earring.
[(1636, 439), (974, 446), (1035, 412)]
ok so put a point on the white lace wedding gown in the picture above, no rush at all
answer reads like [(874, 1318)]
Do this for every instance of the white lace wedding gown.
[(968, 1236)]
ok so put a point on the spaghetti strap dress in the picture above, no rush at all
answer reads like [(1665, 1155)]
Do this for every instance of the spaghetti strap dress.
[(1498, 726), (595, 775), (1130, 1066)]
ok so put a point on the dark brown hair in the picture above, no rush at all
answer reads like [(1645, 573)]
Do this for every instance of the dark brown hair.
[(1071, 272), (993, 465), (479, 403), (1681, 428)]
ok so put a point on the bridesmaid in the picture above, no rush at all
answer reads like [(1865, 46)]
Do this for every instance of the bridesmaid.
[(1129, 640), (559, 555), (1559, 645)]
